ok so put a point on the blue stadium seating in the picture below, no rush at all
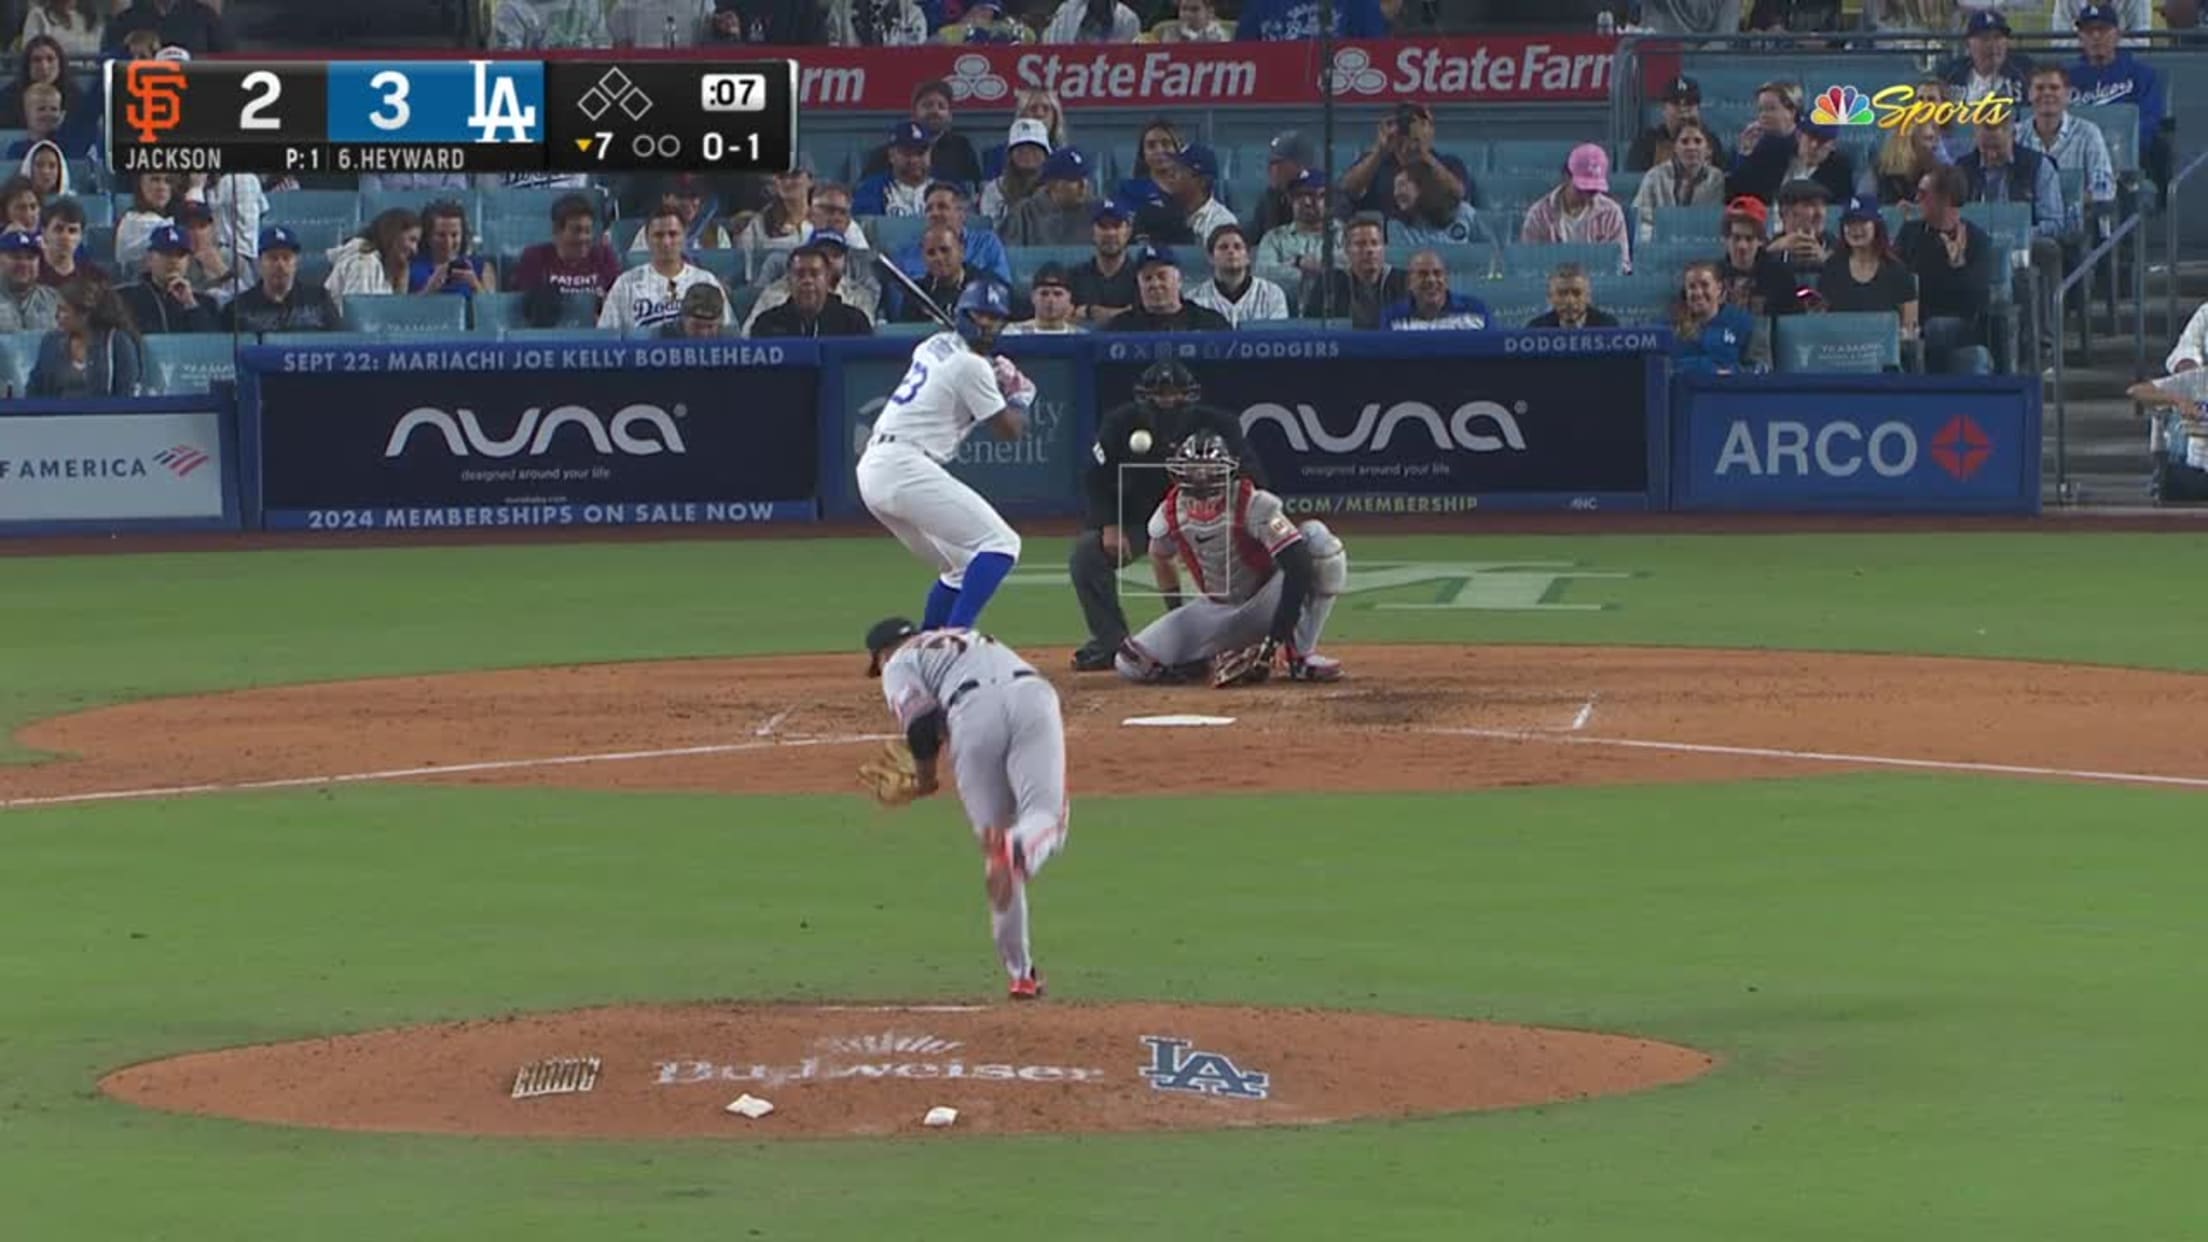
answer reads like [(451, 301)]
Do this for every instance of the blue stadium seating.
[(401, 314), (329, 340), (2120, 125), (495, 312), (1677, 223), (187, 362), (321, 218), (374, 203), (1856, 342), (558, 334)]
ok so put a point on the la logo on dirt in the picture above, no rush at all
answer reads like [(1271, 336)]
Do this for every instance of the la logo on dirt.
[(1174, 1067)]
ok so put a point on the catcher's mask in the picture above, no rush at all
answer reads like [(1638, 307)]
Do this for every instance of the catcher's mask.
[(1167, 385), (885, 634), (1201, 465)]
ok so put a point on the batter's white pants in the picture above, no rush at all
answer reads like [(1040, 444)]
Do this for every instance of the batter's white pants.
[(943, 521)]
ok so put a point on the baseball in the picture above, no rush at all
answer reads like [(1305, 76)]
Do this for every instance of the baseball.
[(1139, 442)]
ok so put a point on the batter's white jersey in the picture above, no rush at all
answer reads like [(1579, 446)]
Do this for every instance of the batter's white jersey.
[(642, 299), (946, 393), (1227, 547)]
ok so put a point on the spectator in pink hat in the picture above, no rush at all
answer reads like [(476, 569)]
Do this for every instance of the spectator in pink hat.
[(1580, 209)]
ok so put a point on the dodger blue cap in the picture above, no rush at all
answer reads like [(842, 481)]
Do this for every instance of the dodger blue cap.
[(1112, 209), (2099, 15), (169, 239), (909, 134), (1199, 159), (1310, 179), (1861, 207), (1818, 130), (16, 241), (277, 237), (1154, 254), (829, 237), (1066, 164), (1985, 20)]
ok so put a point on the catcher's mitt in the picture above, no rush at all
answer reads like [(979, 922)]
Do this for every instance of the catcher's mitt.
[(892, 776), (1245, 666)]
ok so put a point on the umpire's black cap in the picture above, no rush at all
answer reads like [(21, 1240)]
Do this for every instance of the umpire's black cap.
[(886, 633)]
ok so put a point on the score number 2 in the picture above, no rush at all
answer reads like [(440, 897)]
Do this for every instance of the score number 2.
[(265, 88)]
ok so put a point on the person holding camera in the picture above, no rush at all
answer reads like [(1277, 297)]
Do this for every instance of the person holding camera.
[(1405, 140), (163, 300)]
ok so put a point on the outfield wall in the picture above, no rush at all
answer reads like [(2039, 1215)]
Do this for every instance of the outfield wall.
[(589, 433)]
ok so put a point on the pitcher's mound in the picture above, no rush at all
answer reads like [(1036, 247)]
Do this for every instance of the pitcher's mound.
[(671, 1070)]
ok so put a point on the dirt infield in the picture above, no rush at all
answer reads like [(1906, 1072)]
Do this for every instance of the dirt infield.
[(1409, 718), (668, 1071)]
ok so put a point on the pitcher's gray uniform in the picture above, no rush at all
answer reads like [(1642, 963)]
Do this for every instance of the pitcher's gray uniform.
[(1008, 748), (1250, 565)]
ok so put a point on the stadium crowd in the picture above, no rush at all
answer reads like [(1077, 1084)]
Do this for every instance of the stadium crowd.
[(1732, 239)]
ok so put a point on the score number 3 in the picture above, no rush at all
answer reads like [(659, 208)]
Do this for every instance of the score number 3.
[(394, 86), (266, 88)]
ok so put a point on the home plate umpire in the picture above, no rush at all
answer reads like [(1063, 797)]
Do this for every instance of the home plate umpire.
[(1125, 482)]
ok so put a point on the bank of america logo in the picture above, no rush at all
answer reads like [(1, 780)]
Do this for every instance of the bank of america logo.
[(182, 459)]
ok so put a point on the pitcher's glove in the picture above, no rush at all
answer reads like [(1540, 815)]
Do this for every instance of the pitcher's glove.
[(1246, 666), (893, 776)]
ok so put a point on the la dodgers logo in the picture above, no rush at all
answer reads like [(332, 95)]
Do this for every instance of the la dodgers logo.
[(1173, 1067)]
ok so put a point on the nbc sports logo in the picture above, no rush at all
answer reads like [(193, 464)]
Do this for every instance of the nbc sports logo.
[(1842, 105)]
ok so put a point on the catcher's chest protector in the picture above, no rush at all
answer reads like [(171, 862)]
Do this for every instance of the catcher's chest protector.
[(1226, 542)]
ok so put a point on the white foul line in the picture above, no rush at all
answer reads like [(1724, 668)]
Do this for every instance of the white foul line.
[(448, 769), (1821, 756)]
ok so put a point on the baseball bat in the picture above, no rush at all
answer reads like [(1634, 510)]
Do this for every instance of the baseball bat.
[(913, 290)]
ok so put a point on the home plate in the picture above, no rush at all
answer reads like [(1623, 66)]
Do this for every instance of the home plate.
[(1171, 722)]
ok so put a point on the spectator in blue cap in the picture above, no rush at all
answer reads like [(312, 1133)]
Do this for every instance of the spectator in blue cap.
[(1864, 273), (1287, 157), (279, 303), (2109, 74), (1104, 287), (1301, 243), (945, 207), (951, 155), (901, 190), (25, 304), (1277, 21), (162, 299), (1061, 214), (1988, 67), (1187, 182), (1160, 307), (1817, 158)]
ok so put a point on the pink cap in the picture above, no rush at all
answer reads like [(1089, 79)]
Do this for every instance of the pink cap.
[(1589, 166)]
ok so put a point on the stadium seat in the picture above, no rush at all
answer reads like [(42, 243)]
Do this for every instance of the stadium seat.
[(99, 212), (893, 233), (86, 179), (558, 334), (740, 302), (1851, 342), (333, 340), (2120, 125), (1598, 258), (728, 265), (1685, 223), (99, 242), (188, 362), (321, 218), (926, 327), (18, 354), (529, 211), (1025, 259), (1276, 325), (1514, 314), (495, 312), (374, 203), (314, 268), (399, 314), (1542, 156), (9, 137), (2009, 223)]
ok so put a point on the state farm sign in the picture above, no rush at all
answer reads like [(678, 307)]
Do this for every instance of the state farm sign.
[(1493, 69)]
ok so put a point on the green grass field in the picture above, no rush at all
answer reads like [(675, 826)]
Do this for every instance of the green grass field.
[(1947, 1007)]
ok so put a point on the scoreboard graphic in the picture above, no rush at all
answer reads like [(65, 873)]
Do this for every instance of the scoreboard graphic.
[(457, 116)]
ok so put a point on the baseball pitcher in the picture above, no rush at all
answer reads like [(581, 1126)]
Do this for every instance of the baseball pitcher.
[(1123, 487), (954, 385), (1264, 585), (1008, 742)]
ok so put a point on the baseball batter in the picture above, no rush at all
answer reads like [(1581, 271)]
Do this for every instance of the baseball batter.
[(1008, 743), (1264, 585), (953, 385)]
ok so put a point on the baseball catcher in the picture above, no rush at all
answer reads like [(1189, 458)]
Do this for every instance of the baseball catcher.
[(1264, 585), (1124, 485), (1010, 755)]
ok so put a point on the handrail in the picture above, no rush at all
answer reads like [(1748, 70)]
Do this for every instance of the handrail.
[(2169, 240), (2059, 307), (2135, 220)]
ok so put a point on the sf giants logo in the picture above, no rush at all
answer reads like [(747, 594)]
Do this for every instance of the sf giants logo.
[(1173, 1067), (156, 90)]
